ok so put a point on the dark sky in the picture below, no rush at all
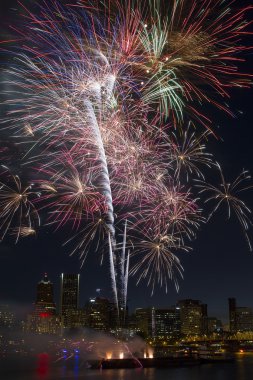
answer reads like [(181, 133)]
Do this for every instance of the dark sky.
[(220, 265)]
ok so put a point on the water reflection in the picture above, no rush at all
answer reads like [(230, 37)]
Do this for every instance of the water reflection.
[(75, 368), (42, 368)]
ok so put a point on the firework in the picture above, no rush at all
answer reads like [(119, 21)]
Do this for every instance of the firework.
[(157, 262), (189, 153), (18, 213), (228, 195), (70, 191)]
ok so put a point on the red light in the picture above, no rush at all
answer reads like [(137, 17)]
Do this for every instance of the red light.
[(45, 315), (43, 364)]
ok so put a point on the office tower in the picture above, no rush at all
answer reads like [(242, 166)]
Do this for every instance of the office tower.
[(45, 297), (43, 319), (69, 297), (45, 292), (244, 319), (145, 322), (193, 316), (98, 314), (167, 323), (232, 315)]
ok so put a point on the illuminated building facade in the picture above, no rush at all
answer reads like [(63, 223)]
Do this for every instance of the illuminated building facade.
[(43, 319), (167, 322), (145, 322), (193, 317), (69, 300), (240, 318), (244, 319), (45, 297), (98, 314), (7, 318)]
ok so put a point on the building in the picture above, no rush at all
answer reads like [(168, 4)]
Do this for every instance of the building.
[(240, 318), (244, 319), (69, 297), (232, 315), (44, 324), (145, 322), (167, 323), (98, 314), (193, 317), (7, 317), (43, 319), (75, 318), (45, 297), (214, 325)]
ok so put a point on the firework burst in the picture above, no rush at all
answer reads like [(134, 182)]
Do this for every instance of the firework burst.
[(18, 213), (228, 195)]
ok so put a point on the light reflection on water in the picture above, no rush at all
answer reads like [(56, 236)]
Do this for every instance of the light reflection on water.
[(43, 369)]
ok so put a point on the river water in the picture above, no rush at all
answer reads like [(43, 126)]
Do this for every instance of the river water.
[(241, 369)]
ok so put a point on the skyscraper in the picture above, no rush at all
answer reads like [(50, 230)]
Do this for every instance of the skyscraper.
[(240, 318), (69, 301), (167, 323), (193, 316), (45, 297), (98, 313), (232, 315), (45, 291), (43, 318), (145, 321), (244, 319)]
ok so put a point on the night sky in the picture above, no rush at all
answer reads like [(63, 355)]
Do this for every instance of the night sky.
[(219, 266)]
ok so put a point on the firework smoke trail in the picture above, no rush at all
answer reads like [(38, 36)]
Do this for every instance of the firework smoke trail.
[(104, 182), (126, 282), (113, 274), (104, 173), (124, 271)]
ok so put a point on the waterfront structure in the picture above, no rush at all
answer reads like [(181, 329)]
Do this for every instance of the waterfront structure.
[(193, 317), (69, 297)]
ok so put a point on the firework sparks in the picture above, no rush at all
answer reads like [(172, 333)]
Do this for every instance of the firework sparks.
[(18, 213), (157, 262), (228, 195)]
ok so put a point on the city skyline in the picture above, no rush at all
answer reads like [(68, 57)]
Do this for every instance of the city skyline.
[(53, 301), (219, 267)]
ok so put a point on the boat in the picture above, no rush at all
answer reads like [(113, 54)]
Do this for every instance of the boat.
[(214, 355)]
